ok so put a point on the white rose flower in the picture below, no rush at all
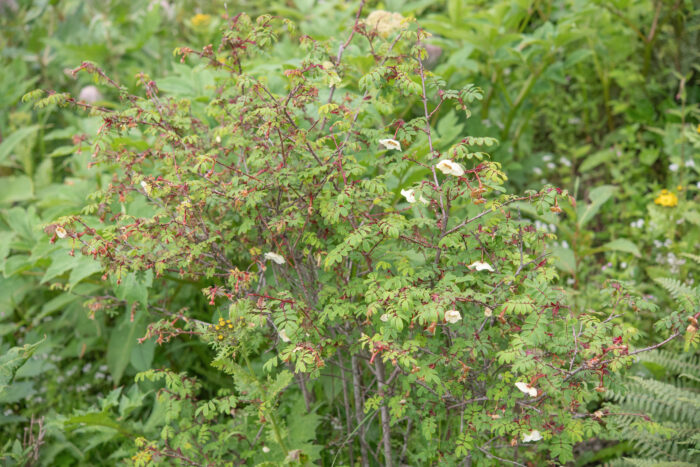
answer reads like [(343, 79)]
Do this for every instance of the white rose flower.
[(527, 389), (146, 187), (480, 266), (61, 232), (274, 257), (283, 335), (452, 316), (90, 94), (534, 435), (390, 144), (448, 167), (410, 195)]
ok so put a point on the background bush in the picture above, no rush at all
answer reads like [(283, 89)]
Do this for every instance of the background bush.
[(598, 98)]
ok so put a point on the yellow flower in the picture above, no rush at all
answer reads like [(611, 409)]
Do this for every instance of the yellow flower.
[(667, 199), (200, 20), (698, 129), (220, 337)]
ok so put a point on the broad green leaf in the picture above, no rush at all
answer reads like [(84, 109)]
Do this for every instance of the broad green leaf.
[(5, 239), (101, 419), (142, 355), (8, 145), (61, 262), (121, 343), (624, 245), (565, 259), (596, 159), (16, 188), (598, 197), (86, 267), (13, 360)]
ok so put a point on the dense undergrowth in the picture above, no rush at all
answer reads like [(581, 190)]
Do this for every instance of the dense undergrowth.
[(461, 233)]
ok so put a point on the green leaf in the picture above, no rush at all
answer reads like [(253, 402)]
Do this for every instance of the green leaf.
[(134, 288), (598, 197), (142, 355), (565, 259), (16, 188), (61, 262), (5, 239), (121, 343), (624, 245), (101, 419), (8, 145), (86, 267), (594, 160), (13, 360)]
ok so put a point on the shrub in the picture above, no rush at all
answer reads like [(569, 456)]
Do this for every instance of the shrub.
[(373, 289)]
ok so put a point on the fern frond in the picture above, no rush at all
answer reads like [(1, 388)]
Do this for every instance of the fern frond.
[(695, 258), (672, 362), (686, 296)]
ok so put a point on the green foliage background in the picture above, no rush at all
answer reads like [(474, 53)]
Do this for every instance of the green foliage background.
[(599, 98)]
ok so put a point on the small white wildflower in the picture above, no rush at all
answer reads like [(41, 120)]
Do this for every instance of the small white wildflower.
[(283, 335), (218, 139), (452, 316), (526, 388), (690, 163), (410, 195), (481, 266), (488, 312), (623, 265), (537, 170), (265, 449), (565, 162), (384, 317), (673, 167), (547, 158), (448, 167), (564, 244), (61, 232), (274, 257), (551, 165), (390, 144), (534, 435)]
